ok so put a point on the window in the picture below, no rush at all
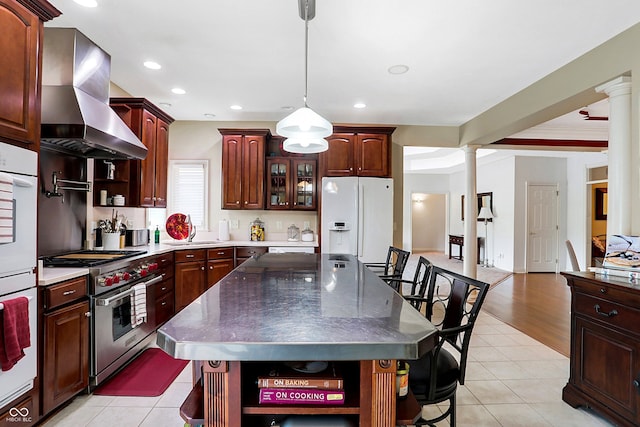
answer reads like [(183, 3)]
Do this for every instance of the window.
[(188, 191)]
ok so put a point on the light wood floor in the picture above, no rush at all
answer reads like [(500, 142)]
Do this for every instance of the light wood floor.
[(537, 304)]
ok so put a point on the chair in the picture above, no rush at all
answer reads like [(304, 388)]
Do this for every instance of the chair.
[(392, 269), (419, 284), (572, 256), (453, 302)]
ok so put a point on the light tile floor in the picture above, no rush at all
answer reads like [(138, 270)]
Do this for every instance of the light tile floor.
[(512, 380)]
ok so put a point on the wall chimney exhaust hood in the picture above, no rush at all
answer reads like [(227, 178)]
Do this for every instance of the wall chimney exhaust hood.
[(76, 117)]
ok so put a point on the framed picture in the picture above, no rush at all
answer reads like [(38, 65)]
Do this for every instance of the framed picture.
[(601, 203), (484, 199)]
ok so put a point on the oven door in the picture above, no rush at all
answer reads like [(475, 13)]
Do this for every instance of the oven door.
[(19, 379), (112, 333)]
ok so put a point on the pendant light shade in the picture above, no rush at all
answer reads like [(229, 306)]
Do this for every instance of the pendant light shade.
[(304, 123), (305, 128), (305, 145)]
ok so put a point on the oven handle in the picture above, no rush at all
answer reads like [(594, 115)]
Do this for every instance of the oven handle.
[(108, 301)]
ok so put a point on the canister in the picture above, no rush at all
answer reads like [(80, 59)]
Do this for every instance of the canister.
[(293, 233), (257, 230)]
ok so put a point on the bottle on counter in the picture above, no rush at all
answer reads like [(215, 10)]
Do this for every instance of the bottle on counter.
[(156, 235)]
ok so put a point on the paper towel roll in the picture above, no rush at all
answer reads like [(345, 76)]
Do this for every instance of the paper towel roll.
[(223, 230)]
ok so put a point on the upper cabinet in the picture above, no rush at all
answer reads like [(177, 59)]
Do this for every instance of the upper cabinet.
[(20, 85), (147, 178), (243, 159), (357, 151), (291, 183)]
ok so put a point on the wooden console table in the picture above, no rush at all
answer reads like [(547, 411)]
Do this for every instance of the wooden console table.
[(458, 240)]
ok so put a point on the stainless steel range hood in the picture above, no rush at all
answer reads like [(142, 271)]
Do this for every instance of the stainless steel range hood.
[(76, 117)]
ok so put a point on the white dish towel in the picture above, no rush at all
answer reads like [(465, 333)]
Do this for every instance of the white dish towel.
[(6, 208), (138, 305)]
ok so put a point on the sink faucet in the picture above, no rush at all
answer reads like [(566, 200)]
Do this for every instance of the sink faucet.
[(191, 228)]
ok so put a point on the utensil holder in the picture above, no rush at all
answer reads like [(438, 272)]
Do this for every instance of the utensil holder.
[(111, 241)]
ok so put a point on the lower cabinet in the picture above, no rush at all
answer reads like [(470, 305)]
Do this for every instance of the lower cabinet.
[(219, 264), (161, 304), (190, 276), (243, 253), (65, 368)]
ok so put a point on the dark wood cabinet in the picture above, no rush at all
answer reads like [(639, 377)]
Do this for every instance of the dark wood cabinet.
[(190, 276), (20, 78), (65, 368), (219, 264), (161, 302), (357, 151), (605, 347), (243, 159), (291, 183), (142, 182), (243, 253)]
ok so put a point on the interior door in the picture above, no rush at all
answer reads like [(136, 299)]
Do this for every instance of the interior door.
[(542, 228)]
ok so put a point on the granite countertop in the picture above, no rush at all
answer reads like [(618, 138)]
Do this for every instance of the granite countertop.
[(278, 307)]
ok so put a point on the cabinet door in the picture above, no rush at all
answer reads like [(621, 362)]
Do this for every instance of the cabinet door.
[(372, 155), (278, 184), (189, 282), (253, 172), (303, 186), (19, 44), (148, 164), (162, 163), (66, 354), (338, 160), (231, 171), (217, 269), (605, 366)]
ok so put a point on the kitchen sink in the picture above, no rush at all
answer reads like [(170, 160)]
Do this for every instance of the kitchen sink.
[(193, 243)]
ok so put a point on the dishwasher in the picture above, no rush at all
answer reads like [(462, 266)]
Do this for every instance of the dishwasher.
[(291, 249)]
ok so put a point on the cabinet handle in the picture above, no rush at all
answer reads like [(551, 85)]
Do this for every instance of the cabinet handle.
[(602, 313), (153, 198), (603, 290), (164, 288), (246, 202), (220, 253), (237, 202), (163, 303), (87, 314), (159, 199), (73, 291), (202, 268), (210, 267), (189, 256), (350, 169)]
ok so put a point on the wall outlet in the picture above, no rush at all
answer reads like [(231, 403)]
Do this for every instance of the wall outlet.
[(278, 225), (233, 223)]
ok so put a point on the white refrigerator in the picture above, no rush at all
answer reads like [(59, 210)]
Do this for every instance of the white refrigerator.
[(357, 217)]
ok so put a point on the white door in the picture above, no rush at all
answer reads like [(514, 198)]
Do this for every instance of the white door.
[(542, 228)]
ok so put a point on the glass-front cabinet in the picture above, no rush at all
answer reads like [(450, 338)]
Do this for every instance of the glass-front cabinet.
[(291, 184)]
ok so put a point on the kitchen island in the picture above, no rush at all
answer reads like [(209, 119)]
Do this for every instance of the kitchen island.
[(297, 307)]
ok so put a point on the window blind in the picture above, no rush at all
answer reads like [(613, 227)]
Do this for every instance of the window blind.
[(188, 193)]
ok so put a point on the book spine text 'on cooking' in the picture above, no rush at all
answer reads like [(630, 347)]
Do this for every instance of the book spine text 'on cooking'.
[(292, 396)]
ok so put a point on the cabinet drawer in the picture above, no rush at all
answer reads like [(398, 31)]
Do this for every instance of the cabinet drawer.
[(165, 261), (65, 292), (163, 288), (191, 255), (220, 253), (249, 251), (612, 313), (164, 308)]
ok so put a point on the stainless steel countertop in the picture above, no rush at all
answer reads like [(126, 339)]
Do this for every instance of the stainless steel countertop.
[(279, 307)]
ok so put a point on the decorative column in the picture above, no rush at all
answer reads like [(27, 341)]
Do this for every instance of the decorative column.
[(469, 266), (619, 155)]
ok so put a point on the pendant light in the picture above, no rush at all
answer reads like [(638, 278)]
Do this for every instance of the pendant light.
[(304, 128)]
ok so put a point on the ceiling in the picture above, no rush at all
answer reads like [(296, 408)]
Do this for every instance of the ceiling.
[(464, 56)]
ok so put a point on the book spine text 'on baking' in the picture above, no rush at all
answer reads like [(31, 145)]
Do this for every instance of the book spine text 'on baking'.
[(319, 383)]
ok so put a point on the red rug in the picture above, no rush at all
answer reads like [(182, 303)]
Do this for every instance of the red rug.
[(150, 374)]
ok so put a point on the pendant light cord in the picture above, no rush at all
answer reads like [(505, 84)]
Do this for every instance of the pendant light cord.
[(306, 51)]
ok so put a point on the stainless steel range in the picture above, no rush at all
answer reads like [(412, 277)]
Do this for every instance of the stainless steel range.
[(112, 276)]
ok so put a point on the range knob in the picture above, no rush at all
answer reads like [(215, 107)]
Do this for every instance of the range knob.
[(116, 278), (126, 275), (153, 266), (108, 281), (143, 271)]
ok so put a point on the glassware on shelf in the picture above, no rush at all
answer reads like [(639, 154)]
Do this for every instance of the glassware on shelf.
[(293, 233)]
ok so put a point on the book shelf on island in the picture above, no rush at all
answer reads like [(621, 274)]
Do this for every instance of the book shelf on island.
[(228, 392)]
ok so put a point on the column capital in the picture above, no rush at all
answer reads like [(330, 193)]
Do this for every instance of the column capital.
[(471, 148), (618, 86)]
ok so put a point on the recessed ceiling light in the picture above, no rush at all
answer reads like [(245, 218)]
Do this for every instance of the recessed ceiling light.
[(398, 69), (165, 104), (87, 3), (359, 105), (178, 91), (209, 115), (152, 65), (236, 107)]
